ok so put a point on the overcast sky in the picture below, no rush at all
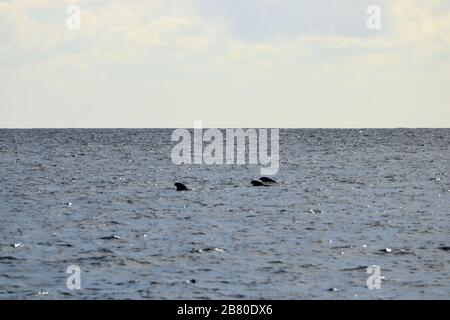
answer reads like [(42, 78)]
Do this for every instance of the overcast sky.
[(228, 63)]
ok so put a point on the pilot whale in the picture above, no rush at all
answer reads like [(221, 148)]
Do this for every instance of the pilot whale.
[(263, 182), (181, 186), (267, 180)]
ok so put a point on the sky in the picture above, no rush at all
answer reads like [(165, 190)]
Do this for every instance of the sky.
[(227, 63)]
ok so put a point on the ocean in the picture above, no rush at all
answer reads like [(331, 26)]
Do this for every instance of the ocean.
[(104, 200)]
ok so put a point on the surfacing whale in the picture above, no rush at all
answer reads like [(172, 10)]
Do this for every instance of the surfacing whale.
[(263, 182), (181, 186), (257, 183), (267, 180)]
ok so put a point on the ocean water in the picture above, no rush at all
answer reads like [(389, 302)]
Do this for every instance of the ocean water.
[(104, 200)]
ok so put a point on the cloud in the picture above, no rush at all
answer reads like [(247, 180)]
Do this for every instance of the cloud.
[(233, 54), (136, 31), (423, 26), (260, 20)]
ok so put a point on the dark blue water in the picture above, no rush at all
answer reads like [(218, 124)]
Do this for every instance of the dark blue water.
[(104, 200)]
